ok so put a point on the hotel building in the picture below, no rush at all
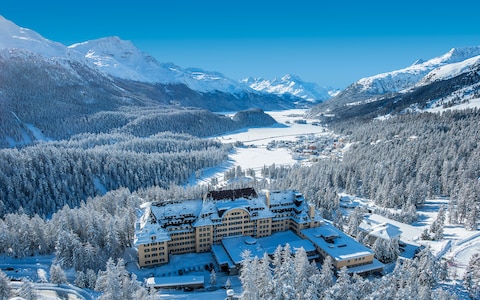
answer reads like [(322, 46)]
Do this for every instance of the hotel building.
[(194, 226)]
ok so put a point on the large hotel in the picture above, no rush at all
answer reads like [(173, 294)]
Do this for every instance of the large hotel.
[(240, 217)]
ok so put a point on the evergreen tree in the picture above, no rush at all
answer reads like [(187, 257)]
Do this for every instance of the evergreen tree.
[(264, 281), (471, 278), (27, 290), (213, 278), (115, 282), (247, 277), (57, 275), (326, 274), (4, 286), (228, 284)]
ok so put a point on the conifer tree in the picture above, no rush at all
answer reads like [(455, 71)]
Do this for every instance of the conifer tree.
[(4, 286)]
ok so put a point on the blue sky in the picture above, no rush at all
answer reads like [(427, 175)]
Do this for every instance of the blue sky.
[(332, 43)]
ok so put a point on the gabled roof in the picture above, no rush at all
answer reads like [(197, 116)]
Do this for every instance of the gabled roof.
[(231, 194)]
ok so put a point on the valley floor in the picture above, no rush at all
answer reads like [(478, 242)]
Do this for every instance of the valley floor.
[(457, 246)]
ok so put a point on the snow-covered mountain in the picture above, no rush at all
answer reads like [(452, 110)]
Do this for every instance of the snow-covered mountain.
[(445, 81), (122, 59), (48, 90), (402, 79), (452, 70), (15, 37), (292, 85)]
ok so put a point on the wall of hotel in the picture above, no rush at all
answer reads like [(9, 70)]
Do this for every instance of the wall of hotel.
[(182, 239), (204, 238), (353, 262), (263, 227), (236, 222), (152, 254)]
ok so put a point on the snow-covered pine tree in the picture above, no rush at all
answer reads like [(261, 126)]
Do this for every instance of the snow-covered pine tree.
[(213, 278), (471, 278), (326, 274), (27, 290), (57, 275), (302, 269), (247, 277), (264, 279), (4, 286)]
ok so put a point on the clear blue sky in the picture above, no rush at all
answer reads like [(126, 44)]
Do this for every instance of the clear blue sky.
[(333, 43)]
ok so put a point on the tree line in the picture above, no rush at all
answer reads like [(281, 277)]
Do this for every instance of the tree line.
[(42, 178)]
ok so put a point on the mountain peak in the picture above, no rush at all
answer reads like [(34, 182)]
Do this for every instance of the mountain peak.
[(16, 37), (292, 85), (461, 53)]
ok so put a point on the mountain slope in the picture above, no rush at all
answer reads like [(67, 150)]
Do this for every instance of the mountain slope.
[(15, 37), (49, 91), (291, 85), (443, 81), (122, 59)]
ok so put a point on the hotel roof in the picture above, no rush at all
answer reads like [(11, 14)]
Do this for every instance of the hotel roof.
[(234, 246), (335, 243)]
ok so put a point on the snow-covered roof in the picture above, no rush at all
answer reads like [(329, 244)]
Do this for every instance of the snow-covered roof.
[(222, 256), (234, 246), (173, 281), (384, 231), (374, 266), (407, 232), (159, 218), (336, 243)]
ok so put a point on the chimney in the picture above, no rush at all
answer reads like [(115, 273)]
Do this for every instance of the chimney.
[(311, 211)]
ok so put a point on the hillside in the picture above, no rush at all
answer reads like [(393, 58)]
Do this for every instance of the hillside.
[(447, 80), (50, 91)]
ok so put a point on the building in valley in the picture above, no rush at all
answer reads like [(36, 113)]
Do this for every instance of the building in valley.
[(174, 227), (200, 225)]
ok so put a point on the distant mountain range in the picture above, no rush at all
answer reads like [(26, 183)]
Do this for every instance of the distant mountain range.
[(49, 90), (293, 85), (55, 91), (445, 81)]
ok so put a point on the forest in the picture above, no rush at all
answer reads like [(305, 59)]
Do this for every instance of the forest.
[(397, 162), (43, 178)]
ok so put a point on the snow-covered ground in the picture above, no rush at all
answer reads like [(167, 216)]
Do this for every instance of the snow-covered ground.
[(255, 154), (457, 246)]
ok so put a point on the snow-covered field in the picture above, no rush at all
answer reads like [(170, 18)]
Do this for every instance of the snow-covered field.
[(256, 155), (457, 246)]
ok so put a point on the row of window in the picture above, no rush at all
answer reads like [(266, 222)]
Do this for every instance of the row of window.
[(181, 243), (154, 249), (187, 249), (155, 261), (151, 244), (154, 254)]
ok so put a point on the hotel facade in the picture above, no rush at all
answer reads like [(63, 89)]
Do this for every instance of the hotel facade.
[(194, 226)]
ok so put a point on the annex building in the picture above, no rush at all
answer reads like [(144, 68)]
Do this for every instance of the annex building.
[(221, 217)]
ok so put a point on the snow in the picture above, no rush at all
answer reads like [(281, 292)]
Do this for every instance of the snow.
[(450, 70), (408, 233), (15, 37), (343, 246), (405, 78), (234, 246), (473, 103), (118, 58), (122, 59), (292, 85), (256, 155), (174, 281)]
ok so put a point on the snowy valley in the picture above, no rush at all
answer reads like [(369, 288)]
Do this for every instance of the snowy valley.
[(92, 134)]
